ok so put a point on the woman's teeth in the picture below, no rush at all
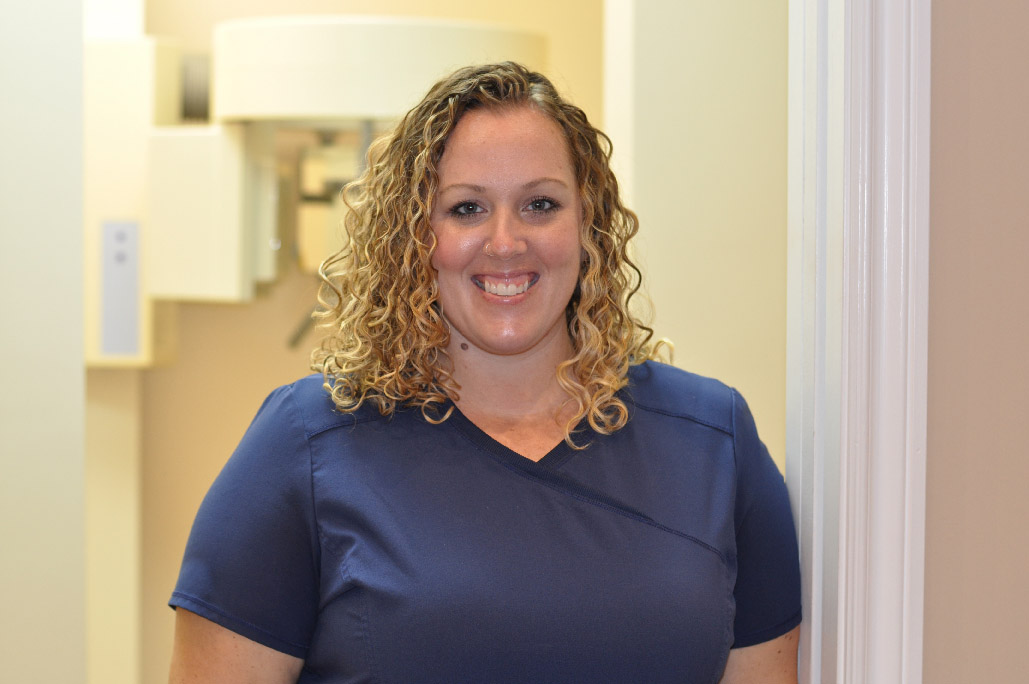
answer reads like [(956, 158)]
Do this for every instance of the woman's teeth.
[(504, 289)]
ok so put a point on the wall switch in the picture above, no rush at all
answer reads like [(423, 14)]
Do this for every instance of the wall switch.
[(120, 302)]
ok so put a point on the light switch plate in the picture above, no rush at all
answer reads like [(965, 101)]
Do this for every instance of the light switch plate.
[(120, 302)]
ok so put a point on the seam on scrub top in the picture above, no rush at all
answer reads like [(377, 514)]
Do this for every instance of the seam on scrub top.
[(314, 503), (366, 628), (589, 500), (646, 521), (685, 416), (348, 423), (736, 471), (729, 635), (366, 623), (364, 619)]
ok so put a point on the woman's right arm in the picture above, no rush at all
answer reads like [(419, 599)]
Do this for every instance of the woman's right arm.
[(253, 558), (205, 652)]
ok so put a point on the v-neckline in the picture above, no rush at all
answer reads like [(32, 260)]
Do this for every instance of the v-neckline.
[(547, 469), (553, 459)]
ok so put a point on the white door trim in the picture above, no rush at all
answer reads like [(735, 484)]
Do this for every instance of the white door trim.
[(857, 331)]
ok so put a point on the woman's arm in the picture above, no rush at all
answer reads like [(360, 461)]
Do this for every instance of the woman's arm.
[(205, 652), (773, 662)]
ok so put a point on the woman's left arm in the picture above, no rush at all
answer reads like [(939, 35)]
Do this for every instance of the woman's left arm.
[(772, 662)]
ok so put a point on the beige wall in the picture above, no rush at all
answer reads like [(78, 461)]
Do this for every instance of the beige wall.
[(977, 547), (698, 120), (42, 591), (113, 525)]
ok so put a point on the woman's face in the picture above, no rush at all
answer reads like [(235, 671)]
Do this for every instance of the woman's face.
[(506, 218)]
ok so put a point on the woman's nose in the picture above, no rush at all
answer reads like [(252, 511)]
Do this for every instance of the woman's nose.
[(506, 238)]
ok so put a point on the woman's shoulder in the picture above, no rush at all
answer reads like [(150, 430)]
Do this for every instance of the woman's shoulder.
[(309, 400), (662, 388)]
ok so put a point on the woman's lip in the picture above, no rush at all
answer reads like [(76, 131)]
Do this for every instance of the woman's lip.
[(506, 285)]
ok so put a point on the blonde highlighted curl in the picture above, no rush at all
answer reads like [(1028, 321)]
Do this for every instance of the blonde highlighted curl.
[(385, 338)]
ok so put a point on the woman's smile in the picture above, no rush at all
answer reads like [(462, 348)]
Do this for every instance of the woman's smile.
[(505, 286)]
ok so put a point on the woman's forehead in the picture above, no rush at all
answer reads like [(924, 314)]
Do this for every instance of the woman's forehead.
[(519, 141)]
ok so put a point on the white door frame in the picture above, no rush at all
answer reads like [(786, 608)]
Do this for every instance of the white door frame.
[(857, 329)]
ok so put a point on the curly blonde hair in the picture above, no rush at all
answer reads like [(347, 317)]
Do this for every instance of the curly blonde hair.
[(386, 339)]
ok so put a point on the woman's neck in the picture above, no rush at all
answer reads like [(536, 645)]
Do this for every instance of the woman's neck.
[(509, 387), (522, 406)]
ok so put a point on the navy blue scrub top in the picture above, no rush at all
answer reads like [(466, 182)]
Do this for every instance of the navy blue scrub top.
[(394, 550)]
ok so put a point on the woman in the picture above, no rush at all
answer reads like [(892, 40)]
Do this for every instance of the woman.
[(496, 487)]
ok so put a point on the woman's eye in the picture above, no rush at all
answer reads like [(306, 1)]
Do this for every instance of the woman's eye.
[(542, 204), (465, 209)]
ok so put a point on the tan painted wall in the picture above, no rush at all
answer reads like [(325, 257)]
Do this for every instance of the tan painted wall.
[(703, 147), (113, 524), (977, 547), (42, 407)]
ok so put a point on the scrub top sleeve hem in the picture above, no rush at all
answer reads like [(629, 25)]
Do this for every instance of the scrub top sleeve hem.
[(767, 634), (241, 627)]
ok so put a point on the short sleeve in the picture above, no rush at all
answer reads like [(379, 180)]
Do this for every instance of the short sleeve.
[(251, 562), (768, 566)]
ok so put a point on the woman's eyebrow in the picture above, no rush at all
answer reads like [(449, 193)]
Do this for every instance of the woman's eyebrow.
[(462, 186), (540, 181), (478, 188)]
